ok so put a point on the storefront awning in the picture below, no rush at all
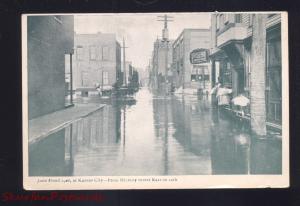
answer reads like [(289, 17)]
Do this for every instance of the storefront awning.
[(217, 54)]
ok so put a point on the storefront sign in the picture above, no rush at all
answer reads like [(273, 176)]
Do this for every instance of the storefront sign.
[(199, 56)]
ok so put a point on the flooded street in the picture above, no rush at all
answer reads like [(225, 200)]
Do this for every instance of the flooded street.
[(154, 135)]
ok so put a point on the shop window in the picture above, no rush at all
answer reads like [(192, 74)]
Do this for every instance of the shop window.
[(199, 77), (206, 77), (200, 74)]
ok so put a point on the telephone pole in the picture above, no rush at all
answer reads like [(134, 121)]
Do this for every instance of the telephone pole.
[(165, 40), (124, 63), (165, 19)]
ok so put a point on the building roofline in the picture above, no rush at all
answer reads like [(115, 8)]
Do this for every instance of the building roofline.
[(189, 29)]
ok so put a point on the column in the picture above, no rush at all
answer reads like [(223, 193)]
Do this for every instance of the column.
[(258, 75)]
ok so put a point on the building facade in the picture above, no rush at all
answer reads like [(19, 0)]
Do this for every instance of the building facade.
[(161, 62), (50, 38), (186, 74), (231, 53), (97, 61)]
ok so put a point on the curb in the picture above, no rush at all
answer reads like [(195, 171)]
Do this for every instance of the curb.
[(61, 126)]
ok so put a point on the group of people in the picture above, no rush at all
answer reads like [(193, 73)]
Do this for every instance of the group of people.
[(222, 97)]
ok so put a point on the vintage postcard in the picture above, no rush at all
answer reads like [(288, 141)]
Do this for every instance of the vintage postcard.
[(155, 100)]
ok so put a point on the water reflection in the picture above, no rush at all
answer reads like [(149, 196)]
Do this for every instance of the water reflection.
[(154, 134)]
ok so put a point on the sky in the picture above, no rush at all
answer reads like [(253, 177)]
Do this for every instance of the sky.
[(139, 30)]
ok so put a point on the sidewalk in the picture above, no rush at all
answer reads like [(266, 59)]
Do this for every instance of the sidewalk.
[(43, 126)]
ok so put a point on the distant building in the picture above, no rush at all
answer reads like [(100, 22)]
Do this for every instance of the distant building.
[(231, 54), (133, 78), (97, 61), (143, 76), (161, 61), (50, 38), (186, 74)]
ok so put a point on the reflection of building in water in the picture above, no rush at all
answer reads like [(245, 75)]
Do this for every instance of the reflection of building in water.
[(102, 127), (192, 125), (47, 157), (186, 148), (234, 152), (69, 149), (229, 149), (265, 156)]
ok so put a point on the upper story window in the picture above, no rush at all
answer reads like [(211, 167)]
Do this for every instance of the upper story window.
[(93, 53), (105, 53), (79, 53)]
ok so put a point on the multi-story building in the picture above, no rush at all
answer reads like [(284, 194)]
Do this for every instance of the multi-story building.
[(161, 61), (186, 74), (97, 61), (50, 38), (231, 54)]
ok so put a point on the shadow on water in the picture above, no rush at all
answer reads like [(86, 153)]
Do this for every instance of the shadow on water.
[(154, 134)]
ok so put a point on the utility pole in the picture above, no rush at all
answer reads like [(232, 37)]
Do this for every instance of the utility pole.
[(165, 19), (258, 75), (124, 64), (165, 40)]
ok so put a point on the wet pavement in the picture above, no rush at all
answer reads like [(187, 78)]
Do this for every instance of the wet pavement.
[(155, 135)]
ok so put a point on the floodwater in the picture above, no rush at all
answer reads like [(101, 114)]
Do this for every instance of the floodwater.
[(155, 135)]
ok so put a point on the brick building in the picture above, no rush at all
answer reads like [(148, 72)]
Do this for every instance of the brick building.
[(184, 73), (231, 53), (97, 60), (49, 39)]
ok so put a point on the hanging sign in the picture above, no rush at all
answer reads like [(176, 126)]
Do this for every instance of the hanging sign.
[(199, 56)]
